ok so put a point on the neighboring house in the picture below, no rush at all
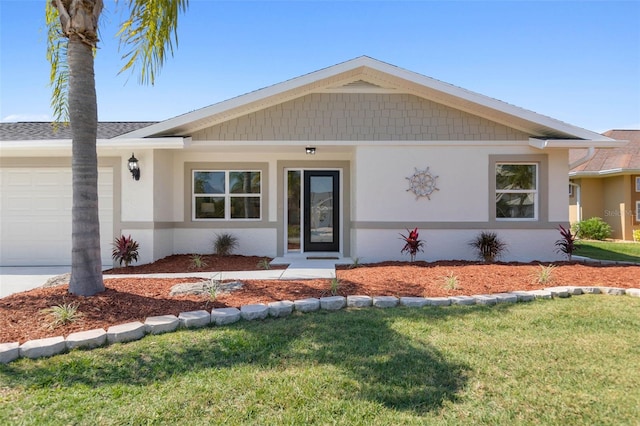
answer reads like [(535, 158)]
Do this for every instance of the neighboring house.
[(608, 185), (337, 162)]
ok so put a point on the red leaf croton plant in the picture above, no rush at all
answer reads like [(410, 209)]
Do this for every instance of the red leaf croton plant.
[(412, 244)]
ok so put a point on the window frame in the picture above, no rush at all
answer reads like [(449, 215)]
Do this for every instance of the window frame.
[(535, 192), (637, 183), (227, 195), (638, 211)]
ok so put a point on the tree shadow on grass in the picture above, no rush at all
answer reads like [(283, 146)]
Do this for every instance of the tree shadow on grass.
[(370, 346)]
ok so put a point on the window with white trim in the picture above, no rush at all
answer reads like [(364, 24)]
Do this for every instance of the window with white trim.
[(637, 183), (516, 191), (637, 211), (227, 194)]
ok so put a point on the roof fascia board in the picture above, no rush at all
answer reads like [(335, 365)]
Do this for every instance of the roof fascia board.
[(604, 173), (601, 142), (295, 143), (62, 144)]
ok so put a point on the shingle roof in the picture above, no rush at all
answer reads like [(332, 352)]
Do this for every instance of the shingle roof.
[(626, 157), (41, 130)]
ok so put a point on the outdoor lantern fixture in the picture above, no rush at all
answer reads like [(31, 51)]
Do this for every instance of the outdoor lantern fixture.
[(310, 150), (133, 167)]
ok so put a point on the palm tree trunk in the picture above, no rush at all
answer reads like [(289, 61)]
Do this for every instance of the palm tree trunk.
[(86, 262)]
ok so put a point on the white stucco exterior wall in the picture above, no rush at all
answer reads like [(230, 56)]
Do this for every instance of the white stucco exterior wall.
[(137, 196)]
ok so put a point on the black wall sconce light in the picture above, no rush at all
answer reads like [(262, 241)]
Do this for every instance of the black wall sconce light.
[(310, 150), (133, 167)]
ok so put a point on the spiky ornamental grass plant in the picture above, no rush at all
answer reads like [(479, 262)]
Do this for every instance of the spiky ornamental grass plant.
[(125, 249), (544, 274), (489, 246), (197, 262), (65, 313), (225, 243), (412, 243)]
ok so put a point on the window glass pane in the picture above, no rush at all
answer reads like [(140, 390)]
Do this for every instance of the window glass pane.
[(293, 209), (208, 182), (519, 206), (245, 207), (244, 182), (209, 207), (515, 176)]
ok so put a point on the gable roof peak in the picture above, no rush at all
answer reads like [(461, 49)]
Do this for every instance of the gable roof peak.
[(367, 72)]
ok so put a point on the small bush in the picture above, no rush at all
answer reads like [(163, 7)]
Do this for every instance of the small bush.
[(264, 264), (488, 246), (566, 244), (214, 289), (197, 262), (636, 235), (225, 244), (65, 313), (412, 244), (544, 275), (125, 249), (334, 286), (592, 229), (451, 282)]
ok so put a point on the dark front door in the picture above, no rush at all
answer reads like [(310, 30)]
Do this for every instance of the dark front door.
[(321, 210)]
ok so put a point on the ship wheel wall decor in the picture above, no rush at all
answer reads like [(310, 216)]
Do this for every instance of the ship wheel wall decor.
[(422, 183)]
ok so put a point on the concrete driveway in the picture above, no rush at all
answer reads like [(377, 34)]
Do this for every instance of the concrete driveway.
[(14, 279)]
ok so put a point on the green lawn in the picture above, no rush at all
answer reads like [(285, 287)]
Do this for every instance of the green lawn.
[(609, 250), (570, 361)]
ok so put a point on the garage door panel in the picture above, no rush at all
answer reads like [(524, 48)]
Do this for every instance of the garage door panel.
[(35, 206)]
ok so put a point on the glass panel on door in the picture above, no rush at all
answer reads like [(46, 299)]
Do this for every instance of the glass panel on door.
[(321, 212), (294, 195)]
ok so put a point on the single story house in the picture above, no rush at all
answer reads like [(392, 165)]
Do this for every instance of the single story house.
[(608, 185), (337, 162)]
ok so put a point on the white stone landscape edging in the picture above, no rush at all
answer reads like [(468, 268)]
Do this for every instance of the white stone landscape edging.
[(222, 316)]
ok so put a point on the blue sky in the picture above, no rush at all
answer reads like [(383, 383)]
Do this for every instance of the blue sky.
[(577, 61)]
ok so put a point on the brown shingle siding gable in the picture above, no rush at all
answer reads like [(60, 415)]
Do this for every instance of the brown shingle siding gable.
[(38, 130)]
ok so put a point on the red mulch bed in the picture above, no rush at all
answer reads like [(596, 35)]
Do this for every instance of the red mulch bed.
[(134, 299)]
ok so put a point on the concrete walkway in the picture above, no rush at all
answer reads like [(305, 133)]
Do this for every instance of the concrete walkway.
[(15, 279)]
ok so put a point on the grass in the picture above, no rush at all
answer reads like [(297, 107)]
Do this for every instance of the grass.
[(546, 362), (609, 250)]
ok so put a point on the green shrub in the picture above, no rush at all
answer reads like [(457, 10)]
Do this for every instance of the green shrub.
[(592, 229), (636, 235), (224, 244)]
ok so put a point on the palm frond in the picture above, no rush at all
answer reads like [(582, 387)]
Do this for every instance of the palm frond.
[(57, 58), (149, 35)]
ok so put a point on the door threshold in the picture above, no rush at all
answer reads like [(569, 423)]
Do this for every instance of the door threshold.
[(323, 258)]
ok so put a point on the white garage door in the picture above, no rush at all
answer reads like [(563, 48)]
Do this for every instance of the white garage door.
[(35, 209)]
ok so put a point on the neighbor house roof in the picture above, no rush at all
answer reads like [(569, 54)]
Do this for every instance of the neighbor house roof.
[(365, 73), (37, 130), (623, 159)]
